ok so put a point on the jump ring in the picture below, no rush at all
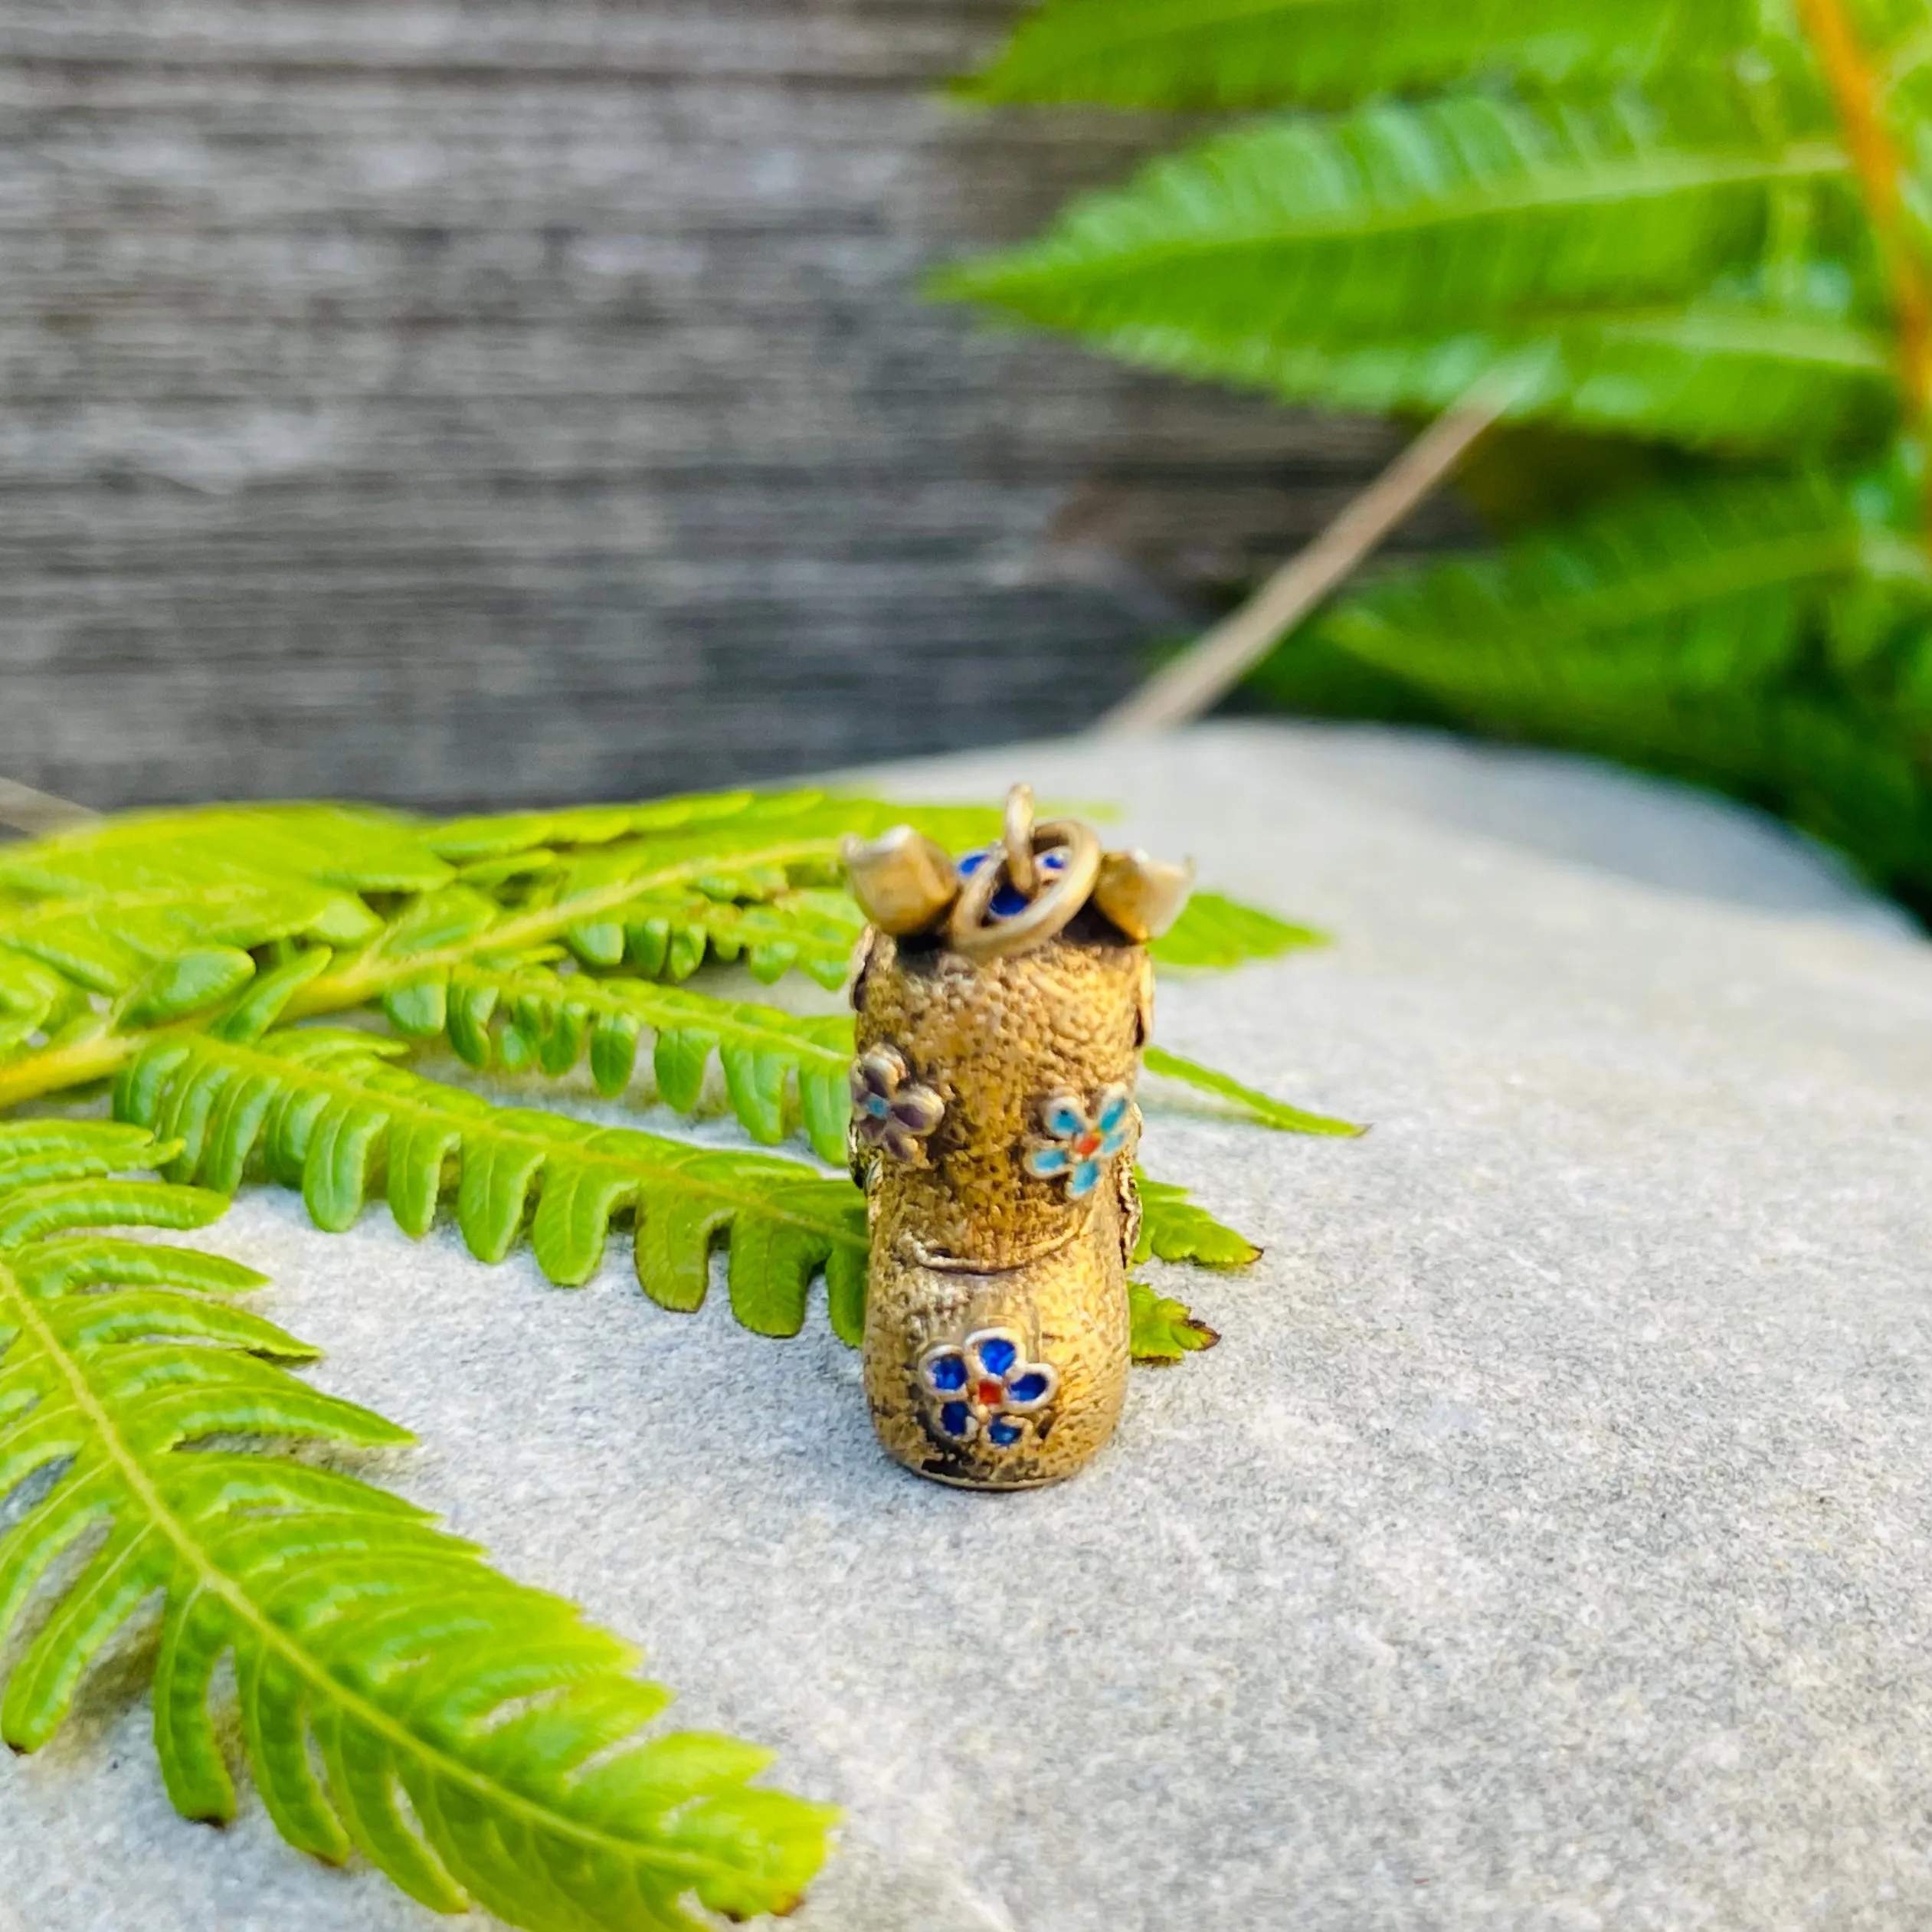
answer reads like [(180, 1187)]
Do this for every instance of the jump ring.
[(967, 931), (1019, 840)]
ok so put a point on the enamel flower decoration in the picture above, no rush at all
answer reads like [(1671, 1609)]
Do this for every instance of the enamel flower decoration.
[(891, 1111), (985, 1386), (1081, 1141)]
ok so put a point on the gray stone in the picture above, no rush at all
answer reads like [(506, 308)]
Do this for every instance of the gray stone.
[(1548, 1544)]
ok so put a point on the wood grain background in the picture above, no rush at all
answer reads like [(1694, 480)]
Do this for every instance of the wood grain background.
[(463, 403)]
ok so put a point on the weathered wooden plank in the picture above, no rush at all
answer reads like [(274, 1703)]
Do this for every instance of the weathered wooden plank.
[(450, 401), (904, 42)]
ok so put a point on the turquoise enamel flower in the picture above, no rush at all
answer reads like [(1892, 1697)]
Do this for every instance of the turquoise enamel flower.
[(1081, 1139)]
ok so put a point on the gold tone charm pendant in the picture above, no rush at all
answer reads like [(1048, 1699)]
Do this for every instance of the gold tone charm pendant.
[(1003, 1003)]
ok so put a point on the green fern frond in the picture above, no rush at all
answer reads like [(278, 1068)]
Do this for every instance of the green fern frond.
[(493, 839), (327, 1112), (1679, 627), (153, 922), (474, 1739), (1446, 215), (1696, 588), (109, 935), (777, 1067), (1208, 54), (669, 935), (751, 881), (1708, 227), (1257, 1105), (1173, 1228), (1610, 266), (457, 929), (114, 909), (1163, 1330), (113, 929), (1215, 932), (1723, 371)]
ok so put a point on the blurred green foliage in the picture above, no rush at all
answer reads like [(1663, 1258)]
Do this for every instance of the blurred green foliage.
[(1691, 241)]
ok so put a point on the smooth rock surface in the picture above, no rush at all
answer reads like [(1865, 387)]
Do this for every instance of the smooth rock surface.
[(1548, 1545)]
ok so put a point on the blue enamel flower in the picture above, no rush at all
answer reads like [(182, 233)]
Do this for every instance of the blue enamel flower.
[(985, 1386), (1082, 1140), (1008, 898)]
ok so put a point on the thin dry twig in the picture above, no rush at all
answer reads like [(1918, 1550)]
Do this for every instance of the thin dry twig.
[(1210, 667), (37, 813)]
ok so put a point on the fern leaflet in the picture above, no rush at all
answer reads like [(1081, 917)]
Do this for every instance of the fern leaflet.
[(1708, 588), (1173, 1228), (1726, 371), (1257, 1105), (1216, 932), (127, 923), (1436, 221), (110, 932), (1163, 1330), (1205, 54), (777, 1067), (458, 929), (774, 1063), (1679, 627), (669, 935)]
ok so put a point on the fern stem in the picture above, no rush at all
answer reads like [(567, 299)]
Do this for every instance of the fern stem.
[(77, 1065), (42, 1336), (1880, 168), (36, 814)]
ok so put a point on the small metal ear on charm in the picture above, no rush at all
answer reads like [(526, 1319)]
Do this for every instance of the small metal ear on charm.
[(1142, 896), (905, 883)]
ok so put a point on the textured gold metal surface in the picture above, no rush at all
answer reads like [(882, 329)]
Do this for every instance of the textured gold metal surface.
[(970, 1239)]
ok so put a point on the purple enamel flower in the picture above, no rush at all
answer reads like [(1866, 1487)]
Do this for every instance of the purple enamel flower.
[(891, 1112)]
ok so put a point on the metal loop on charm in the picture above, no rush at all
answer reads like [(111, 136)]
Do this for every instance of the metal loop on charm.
[(968, 931), (1018, 839)]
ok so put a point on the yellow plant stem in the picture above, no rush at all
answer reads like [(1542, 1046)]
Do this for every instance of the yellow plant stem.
[(1855, 87)]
